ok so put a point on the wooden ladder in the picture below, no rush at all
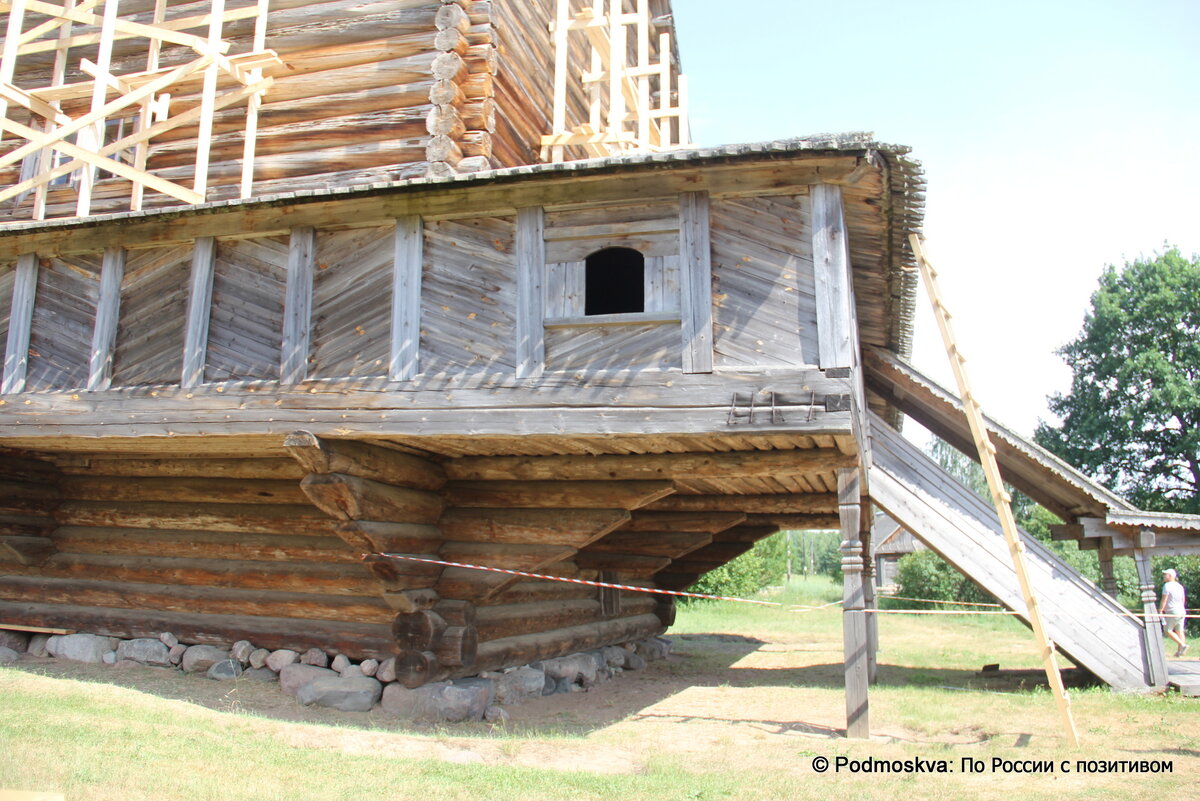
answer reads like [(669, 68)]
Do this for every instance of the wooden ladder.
[(1000, 497)]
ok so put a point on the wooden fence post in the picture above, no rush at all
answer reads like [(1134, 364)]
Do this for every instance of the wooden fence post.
[(854, 627)]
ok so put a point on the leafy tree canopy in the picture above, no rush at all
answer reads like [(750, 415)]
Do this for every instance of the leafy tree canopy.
[(1132, 416)]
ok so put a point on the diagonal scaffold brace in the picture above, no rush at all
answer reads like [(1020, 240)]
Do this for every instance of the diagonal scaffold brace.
[(1000, 497)]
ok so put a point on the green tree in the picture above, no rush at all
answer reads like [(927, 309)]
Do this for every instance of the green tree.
[(1132, 416)]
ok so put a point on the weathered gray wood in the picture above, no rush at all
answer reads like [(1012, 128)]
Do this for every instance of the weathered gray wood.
[(406, 298), (1152, 633), (104, 336), (297, 305), (153, 316), (695, 266), (831, 261), (365, 461), (556, 494), (351, 498), (16, 355), (531, 265), (734, 464), (854, 624), (195, 342)]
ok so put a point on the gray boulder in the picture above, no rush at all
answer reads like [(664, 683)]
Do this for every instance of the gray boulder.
[(109, 658), (258, 658), (79, 647), (176, 652), (351, 671), (387, 670), (495, 714), (146, 651), (37, 645), (576, 668), (199, 658), (614, 657), (14, 640), (634, 662), (295, 676), (316, 657), (8, 655), (517, 685), (654, 648), (369, 666), (168, 639), (241, 651), (262, 674), (353, 694), (225, 670), (466, 699), (278, 660), (339, 663)]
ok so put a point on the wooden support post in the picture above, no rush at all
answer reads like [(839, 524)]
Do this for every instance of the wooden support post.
[(1108, 581), (92, 137), (199, 310), (617, 56), (208, 100), (562, 52), (20, 324), (297, 306), (854, 626), (104, 335), (831, 263), (531, 265), (1152, 633), (695, 264), (406, 298), (254, 103), (866, 518)]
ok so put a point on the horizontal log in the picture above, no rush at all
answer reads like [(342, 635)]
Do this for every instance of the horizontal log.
[(673, 579), (409, 601), (323, 455), (30, 551), (498, 622), (713, 555), (355, 640), (749, 534), (348, 497), (477, 143), (705, 522), (199, 600), (46, 493), (203, 544), (397, 575), (526, 648), (556, 494), (795, 522), (733, 464), (672, 544), (464, 584), (443, 148), (796, 503), (415, 668), (457, 647), (571, 527), (418, 631), (183, 490), (22, 468), (245, 518), (505, 556), (624, 563), (531, 590), (456, 613), (446, 93), (283, 469), (373, 537), (342, 578)]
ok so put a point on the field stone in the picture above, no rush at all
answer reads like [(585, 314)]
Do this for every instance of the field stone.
[(386, 672), (225, 669), (349, 694), (551, 686), (258, 658), (517, 685), (495, 714), (37, 645), (351, 671), (278, 660), (126, 664), (296, 675), (369, 667), (199, 658), (146, 651), (8, 655), (634, 662), (176, 652), (14, 640), (440, 701), (315, 657), (614, 657), (262, 674), (168, 639), (109, 658), (576, 667), (241, 651), (79, 647), (339, 663)]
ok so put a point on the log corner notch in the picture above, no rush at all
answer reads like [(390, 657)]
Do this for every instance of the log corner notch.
[(29, 494), (387, 502)]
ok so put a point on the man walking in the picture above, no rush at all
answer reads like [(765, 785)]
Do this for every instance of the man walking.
[(1173, 608)]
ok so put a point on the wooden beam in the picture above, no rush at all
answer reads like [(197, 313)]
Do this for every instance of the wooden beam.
[(819, 503), (732, 464), (199, 311), (320, 455), (671, 544), (406, 298), (625, 563), (347, 497), (695, 264), (572, 527), (505, 556), (795, 522), (530, 251), (297, 306), (20, 324), (235, 517), (831, 262), (705, 522), (556, 494), (526, 648), (854, 624), (104, 335), (369, 536)]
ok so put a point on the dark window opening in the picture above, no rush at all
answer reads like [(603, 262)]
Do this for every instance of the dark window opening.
[(615, 282)]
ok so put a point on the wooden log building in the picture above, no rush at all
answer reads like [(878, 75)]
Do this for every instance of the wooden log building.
[(375, 323)]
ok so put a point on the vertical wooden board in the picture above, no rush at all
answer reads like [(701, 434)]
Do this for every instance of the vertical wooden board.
[(351, 303), (150, 331), (613, 347), (64, 315), (469, 297), (8, 276), (764, 293), (20, 317), (565, 288), (108, 305), (695, 264), (297, 306), (245, 330), (831, 260), (530, 250), (199, 311), (408, 258)]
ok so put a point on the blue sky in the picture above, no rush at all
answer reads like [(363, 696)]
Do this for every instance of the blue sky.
[(1057, 137)]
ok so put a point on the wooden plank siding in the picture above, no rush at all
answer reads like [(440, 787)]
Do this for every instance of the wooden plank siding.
[(150, 331), (64, 315), (352, 311), (245, 331)]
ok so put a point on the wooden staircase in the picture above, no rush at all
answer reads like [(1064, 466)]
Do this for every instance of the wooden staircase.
[(1087, 625)]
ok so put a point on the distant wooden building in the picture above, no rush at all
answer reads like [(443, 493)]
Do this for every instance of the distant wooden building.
[(358, 295)]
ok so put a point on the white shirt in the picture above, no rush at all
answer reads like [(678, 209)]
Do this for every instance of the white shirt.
[(1174, 602)]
